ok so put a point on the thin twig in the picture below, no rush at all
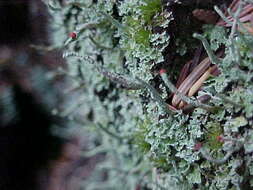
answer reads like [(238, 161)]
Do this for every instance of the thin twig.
[(188, 100), (157, 97), (234, 50), (207, 156), (198, 71), (222, 15), (85, 26), (99, 45), (227, 100), (212, 57), (115, 23), (126, 81)]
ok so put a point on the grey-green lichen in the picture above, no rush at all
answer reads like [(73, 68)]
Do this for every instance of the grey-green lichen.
[(143, 145)]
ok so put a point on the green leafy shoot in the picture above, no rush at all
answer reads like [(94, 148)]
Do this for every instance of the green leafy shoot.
[(149, 10)]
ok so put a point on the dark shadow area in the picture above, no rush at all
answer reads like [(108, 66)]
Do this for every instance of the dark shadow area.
[(26, 142)]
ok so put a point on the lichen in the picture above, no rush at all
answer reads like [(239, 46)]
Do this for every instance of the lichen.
[(130, 128)]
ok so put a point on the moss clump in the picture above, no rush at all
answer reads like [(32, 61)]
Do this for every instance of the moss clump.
[(160, 162), (150, 9), (142, 37), (139, 34), (214, 131), (139, 137)]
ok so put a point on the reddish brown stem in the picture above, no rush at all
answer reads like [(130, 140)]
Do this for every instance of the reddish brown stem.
[(184, 73)]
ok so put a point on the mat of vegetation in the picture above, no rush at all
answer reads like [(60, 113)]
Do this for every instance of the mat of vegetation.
[(165, 111)]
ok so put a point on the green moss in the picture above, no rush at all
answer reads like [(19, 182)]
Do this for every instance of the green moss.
[(140, 135), (133, 23), (142, 37), (160, 162), (149, 10), (138, 27), (214, 130), (139, 34)]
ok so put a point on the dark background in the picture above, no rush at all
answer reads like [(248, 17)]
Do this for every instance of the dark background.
[(26, 143)]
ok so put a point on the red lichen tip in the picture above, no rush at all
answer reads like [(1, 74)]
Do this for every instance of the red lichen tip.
[(220, 138), (162, 71), (197, 146), (73, 35)]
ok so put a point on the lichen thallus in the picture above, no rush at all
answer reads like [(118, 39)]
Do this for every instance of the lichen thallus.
[(188, 84), (191, 80)]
